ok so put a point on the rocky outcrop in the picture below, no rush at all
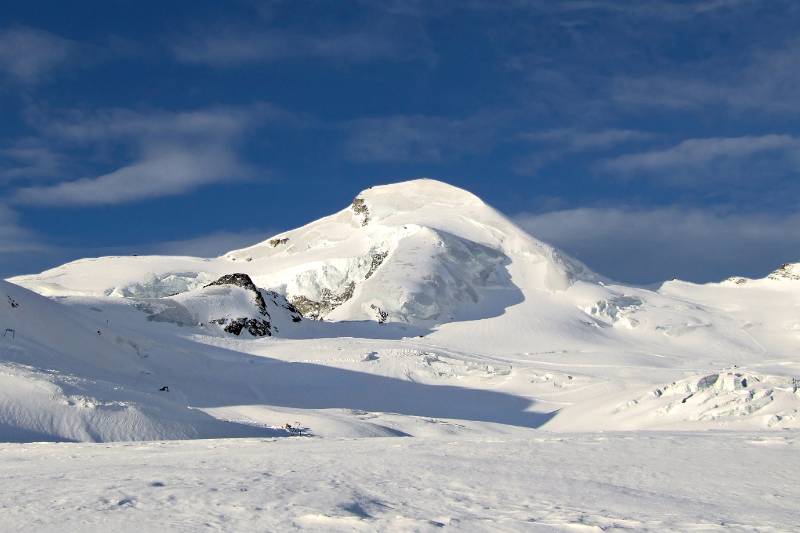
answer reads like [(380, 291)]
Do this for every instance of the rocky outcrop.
[(329, 299), (737, 280), (278, 241), (232, 302), (377, 258), (361, 210), (790, 271), (257, 327), (243, 281), (327, 302), (787, 271), (278, 300)]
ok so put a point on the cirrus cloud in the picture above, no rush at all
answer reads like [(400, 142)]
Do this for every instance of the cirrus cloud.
[(171, 152), (718, 159), (28, 54)]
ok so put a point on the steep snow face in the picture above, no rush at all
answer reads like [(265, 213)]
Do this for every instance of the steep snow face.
[(419, 251)]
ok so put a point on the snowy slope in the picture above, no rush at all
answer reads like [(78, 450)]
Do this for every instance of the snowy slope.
[(66, 377), (711, 481), (422, 251), (440, 317)]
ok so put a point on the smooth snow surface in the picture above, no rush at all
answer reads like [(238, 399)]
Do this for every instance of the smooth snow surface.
[(662, 482), (427, 314)]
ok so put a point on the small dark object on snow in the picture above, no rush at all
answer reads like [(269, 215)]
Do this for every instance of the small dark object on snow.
[(382, 315), (11, 331), (164, 389), (13, 302), (294, 430), (98, 332)]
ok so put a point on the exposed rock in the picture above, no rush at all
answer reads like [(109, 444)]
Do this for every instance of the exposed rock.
[(316, 309), (360, 208), (278, 241), (257, 327), (280, 300), (377, 259), (738, 280), (243, 281), (220, 303), (790, 271)]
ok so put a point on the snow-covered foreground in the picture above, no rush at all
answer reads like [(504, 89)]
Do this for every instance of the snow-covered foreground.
[(531, 481)]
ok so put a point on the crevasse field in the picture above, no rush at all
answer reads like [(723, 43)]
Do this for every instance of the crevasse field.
[(414, 361)]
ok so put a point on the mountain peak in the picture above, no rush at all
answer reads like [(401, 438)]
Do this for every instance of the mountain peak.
[(422, 190), (415, 251)]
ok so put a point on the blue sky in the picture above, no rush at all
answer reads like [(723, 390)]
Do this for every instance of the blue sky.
[(649, 139)]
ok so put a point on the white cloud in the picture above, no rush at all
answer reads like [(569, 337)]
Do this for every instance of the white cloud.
[(649, 245), (577, 140), (171, 152), (81, 126), (555, 144), (756, 158), (160, 173), (233, 46), (765, 81), (28, 54), (29, 158), (418, 138), (20, 248), (13, 237)]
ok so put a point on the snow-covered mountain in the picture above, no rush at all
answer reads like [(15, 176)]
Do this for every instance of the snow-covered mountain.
[(414, 252), (419, 302)]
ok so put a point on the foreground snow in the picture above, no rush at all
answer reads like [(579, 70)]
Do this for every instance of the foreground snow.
[(531, 481)]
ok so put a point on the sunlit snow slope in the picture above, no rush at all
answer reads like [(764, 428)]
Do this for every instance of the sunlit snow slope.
[(425, 312), (420, 251)]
